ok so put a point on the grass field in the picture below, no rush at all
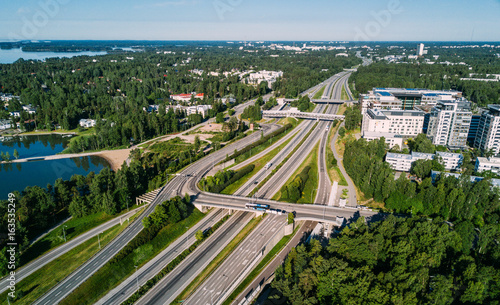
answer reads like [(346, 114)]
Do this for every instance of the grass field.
[(333, 171), (319, 94), (310, 188), (218, 260), (73, 228), (262, 264), (259, 164), (111, 275), (42, 280), (343, 94)]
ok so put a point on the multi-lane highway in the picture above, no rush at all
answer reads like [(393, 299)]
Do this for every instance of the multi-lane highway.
[(154, 266), (60, 291), (220, 281), (43, 260), (176, 281), (189, 178)]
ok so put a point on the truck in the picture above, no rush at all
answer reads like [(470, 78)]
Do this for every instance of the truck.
[(268, 165)]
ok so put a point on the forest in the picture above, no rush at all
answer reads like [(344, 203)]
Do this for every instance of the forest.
[(455, 200), (395, 261)]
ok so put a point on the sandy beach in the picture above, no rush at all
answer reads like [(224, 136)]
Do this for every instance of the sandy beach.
[(115, 157)]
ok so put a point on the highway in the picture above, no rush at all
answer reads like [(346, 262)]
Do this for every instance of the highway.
[(123, 291), (235, 268), (219, 282), (48, 257), (198, 168), (177, 280)]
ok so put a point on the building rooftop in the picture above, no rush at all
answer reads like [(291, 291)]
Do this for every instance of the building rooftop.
[(491, 160), (415, 154), (399, 156), (448, 154)]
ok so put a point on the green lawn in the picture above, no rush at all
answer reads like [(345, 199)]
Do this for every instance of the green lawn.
[(259, 164), (343, 95), (333, 171), (311, 186), (111, 275), (42, 280), (319, 94), (219, 259), (73, 228)]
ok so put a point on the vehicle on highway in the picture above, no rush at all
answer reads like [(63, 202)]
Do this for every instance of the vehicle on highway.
[(257, 206), (268, 165)]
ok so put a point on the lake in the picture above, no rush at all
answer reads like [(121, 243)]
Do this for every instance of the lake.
[(17, 176), (34, 146), (8, 56)]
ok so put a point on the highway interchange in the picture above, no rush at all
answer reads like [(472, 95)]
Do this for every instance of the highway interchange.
[(187, 180)]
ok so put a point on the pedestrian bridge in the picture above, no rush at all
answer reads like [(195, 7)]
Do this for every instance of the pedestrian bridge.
[(302, 115)]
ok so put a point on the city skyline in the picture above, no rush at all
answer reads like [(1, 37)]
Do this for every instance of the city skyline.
[(362, 20)]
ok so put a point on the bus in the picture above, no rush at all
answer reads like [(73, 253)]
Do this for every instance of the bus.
[(257, 206)]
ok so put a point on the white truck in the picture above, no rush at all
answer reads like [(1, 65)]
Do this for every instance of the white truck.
[(268, 165)]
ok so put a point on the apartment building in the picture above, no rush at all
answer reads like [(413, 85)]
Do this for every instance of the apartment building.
[(404, 123), (488, 131), (488, 164), (403, 162), (449, 123)]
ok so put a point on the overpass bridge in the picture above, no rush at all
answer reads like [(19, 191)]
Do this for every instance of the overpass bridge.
[(302, 115)]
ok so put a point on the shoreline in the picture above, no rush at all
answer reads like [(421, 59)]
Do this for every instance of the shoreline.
[(115, 158)]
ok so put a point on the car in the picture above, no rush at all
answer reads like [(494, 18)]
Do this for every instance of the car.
[(256, 182)]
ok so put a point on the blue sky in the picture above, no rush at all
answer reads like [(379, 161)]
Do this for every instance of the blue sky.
[(423, 20)]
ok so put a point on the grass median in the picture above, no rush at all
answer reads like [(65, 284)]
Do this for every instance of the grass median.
[(259, 164), (319, 94), (112, 274), (311, 184), (260, 267), (219, 259), (332, 166), (42, 280), (277, 168)]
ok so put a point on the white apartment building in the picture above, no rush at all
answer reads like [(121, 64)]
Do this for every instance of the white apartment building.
[(403, 162), (87, 123), (488, 164), (405, 123), (391, 139), (488, 132), (449, 123), (5, 124), (200, 109), (451, 161), (399, 162)]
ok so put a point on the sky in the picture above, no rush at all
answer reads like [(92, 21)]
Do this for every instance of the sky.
[(267, 20)]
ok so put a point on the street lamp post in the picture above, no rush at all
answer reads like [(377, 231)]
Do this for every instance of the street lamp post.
[(187, 236), (136, 277), (99, 240), (64, 232), (312, 195)]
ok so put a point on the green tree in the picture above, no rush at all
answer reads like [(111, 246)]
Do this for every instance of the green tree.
[(16, 154)]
